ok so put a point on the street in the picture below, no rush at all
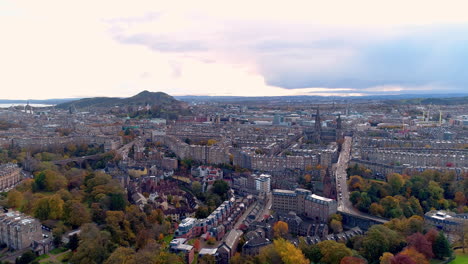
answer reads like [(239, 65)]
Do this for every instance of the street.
[(344, 204)]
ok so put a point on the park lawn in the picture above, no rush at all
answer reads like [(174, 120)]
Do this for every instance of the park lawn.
[(56, 251), (41, 257), (460, 259)]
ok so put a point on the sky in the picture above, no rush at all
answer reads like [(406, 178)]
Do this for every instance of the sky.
[(73, 49)]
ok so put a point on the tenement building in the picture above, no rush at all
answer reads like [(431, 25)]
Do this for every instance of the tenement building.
[(304, 203), (19, 231), (10, 175)]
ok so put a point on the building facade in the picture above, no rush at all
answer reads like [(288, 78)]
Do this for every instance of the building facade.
[(19, 231), (10, 175), (303, 202)]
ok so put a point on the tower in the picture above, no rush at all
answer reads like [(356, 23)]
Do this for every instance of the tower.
[(318, 127), (338, 122)]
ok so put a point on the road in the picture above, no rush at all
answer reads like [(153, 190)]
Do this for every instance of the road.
[(344, 204)]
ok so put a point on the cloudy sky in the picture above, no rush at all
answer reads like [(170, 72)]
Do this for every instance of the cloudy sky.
[(63, 49)]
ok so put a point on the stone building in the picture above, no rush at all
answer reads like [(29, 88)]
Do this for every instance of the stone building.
[(303, 202), (10, 175), (19, 231)]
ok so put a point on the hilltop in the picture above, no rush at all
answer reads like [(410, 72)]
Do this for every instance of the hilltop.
[(433, 101), (144, 98)]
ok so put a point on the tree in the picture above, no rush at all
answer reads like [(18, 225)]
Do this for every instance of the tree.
[(73, 242), (196, 188), (117, 202), (94, 246), (15, 199), (336, 226), (202, 212), (121, 255), (414, 255), (421, 244), (220, 187), (441, 247), (280, 229), (311, 252), (54, 181), (332, 251), (402, 259), (380, 239), (26, 258), (396, 182), (352, 260), (460, 198), (39, 182), (376, 209), (289, 253), (55, 203), (76, 214), (386, 258)]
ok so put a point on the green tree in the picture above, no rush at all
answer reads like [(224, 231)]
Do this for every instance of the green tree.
[(117, 202), (26, 258), (380, 239), (220, 187), (396, 182), (332, 251), (196, 188), (441, 247), (73, 242)]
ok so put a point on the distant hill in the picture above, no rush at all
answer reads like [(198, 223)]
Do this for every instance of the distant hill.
[(433, 101), (141, 99)]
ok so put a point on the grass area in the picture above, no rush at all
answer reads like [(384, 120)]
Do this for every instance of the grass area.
[(460, 259), (65, 257), (56, 251), (41, 257)]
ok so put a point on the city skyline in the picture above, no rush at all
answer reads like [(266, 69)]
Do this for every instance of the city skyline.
[(88, 49)]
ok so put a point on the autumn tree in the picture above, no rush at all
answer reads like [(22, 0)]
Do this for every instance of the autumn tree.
[(15, 199), (94, 246), (413, 254), (76, 214), (386, 258), (402, 259), (460, 198), (376, 209), (280, 229), (122, 255), (336, 226), (421, 244), (288, 252)]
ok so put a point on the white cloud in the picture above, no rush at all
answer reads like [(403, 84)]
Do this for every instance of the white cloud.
[(69, 48)]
